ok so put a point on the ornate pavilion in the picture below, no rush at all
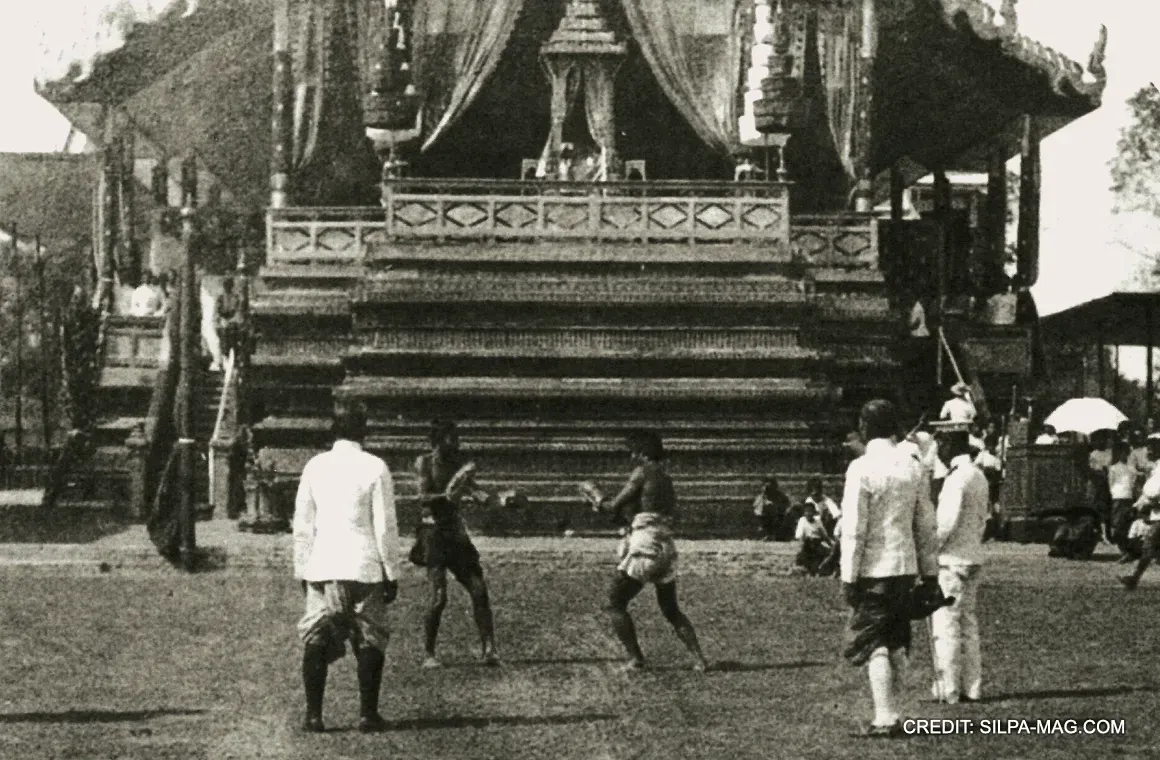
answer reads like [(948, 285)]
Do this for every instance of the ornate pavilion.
[(557, 220)]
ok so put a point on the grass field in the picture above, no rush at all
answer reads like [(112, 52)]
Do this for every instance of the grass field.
[(154, 666)]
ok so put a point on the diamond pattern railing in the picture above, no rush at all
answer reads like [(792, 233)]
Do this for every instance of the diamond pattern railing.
[(514, 211), (847, 241)]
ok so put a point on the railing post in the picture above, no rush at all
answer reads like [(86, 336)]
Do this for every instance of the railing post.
[(138, 445)]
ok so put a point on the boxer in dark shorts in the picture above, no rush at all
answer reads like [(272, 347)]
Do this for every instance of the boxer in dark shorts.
[(647, 553), (442, 544)]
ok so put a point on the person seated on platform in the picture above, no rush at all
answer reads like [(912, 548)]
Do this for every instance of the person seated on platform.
[(566, 168), (1047, 436), (770, 508), (960, 407), (148, 300), (228, 316), (814, 540)]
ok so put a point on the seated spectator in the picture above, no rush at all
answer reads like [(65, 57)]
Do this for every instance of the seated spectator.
[(827, 508), (770, 507), (1047, 437), (960, 407), (815, 541), (148, 299), (1078, 537)]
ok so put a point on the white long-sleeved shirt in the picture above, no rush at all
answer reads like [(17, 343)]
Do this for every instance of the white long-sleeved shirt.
[(1150, 496), (963, 505), (958, 410), (345, 527), (888, 522)]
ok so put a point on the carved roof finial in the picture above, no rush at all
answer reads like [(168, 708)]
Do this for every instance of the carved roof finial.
[(1009, 14), (1096, 60)]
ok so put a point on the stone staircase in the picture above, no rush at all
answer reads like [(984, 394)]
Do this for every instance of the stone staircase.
[(748, 368)]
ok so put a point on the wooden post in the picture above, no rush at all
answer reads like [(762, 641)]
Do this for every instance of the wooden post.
[(897, 191), (1100, 359), (108, 216), (187, 346), (127, 234), (282, 122), (19, 349), (1030, 177), (864, 189), (995, 215), (46, 342), (1149, 390), (1116, 378)]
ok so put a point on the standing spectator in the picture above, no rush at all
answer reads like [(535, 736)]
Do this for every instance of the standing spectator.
[(1122, 479), (888, 538), (963, 507), (1148, 505), (148, 299), (1139, 457), (346, 553), (771, 508), (1099, 460), (228, 315)]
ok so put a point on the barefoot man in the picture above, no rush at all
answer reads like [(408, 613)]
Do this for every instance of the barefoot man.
[(648, 553)]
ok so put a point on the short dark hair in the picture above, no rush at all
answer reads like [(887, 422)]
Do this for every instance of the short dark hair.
[(349, 422), (646, 443), (440, 430), (879, 418)]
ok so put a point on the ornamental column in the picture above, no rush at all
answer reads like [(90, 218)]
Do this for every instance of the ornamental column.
[(863, 134), (1030, 179), (995, 219), (282, 121)]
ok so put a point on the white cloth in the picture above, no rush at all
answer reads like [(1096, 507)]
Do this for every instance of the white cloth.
[(825, 505), (807, 528), (345, 527), (963, 504), (648, 553), (147, 301), (925, 447), (918, 328), (1046, 439), (988, 461), (959, 666), (1150, 496), (958, 410), (1139, 529), (1122, 481), (209, 333), (888, 521)]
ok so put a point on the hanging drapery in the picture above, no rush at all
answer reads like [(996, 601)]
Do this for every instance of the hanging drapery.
[(331, 69), (599, 106), (839, 48), (695, 50), (457, 46)]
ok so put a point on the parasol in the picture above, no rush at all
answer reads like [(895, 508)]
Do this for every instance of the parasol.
[(1085, 415)]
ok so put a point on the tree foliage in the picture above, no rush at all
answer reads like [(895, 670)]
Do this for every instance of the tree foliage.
[(1136, 167)]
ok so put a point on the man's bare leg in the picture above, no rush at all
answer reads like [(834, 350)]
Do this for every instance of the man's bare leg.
[(437, 576), (667, 599), (624, 590)]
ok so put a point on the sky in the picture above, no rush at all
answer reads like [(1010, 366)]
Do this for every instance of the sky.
[(1081, 257)]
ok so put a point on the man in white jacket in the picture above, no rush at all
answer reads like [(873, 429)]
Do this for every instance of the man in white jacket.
[(963, 507), (346, 553), (888, 538)]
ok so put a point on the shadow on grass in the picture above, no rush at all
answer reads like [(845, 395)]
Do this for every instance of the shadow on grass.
[(1095, 693), (732, 666), (564, 661), (62, 525), (484, 721), (95, 716)]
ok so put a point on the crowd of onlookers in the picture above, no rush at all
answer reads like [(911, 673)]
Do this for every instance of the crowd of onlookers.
[(220, 316)]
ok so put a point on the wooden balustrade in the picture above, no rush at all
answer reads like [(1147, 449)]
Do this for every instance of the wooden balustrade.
[(844, 240)]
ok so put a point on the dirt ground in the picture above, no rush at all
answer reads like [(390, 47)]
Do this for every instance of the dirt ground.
[(150, 665)]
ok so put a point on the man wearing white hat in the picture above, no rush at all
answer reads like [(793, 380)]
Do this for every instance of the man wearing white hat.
[(963, 506), (959, 408)]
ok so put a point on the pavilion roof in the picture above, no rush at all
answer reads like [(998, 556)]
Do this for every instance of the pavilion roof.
[(1120, 319)]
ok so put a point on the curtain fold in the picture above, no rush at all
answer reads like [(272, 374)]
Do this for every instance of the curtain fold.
[(695, 50), (839, 49), (457, 46), (599, 104)]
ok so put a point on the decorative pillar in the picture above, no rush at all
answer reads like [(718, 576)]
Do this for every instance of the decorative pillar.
[(187, 455), (897, 191), (159, 183), (995, 216), (863, 189), (138, 445), (1030, 178), (282, 122), (107, 214), (127, 221)]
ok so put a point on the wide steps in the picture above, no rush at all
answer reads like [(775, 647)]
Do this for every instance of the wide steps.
[(581, 290), (591, 388)]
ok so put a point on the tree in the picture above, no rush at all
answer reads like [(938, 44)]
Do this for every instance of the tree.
[(1136, 167)]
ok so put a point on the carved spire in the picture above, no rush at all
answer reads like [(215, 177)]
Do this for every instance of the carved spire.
[(1009, 14), (1095, 65)]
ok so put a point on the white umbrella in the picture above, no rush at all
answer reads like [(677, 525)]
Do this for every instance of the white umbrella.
[(1085, 415)]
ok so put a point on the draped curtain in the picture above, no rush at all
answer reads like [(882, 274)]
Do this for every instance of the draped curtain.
[(457, 46), (695, 50), (599, 94), (839, 49)]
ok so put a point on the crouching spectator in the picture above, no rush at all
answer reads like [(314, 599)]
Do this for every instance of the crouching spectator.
[(771, 508), (815, 542), (1078, 537)]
